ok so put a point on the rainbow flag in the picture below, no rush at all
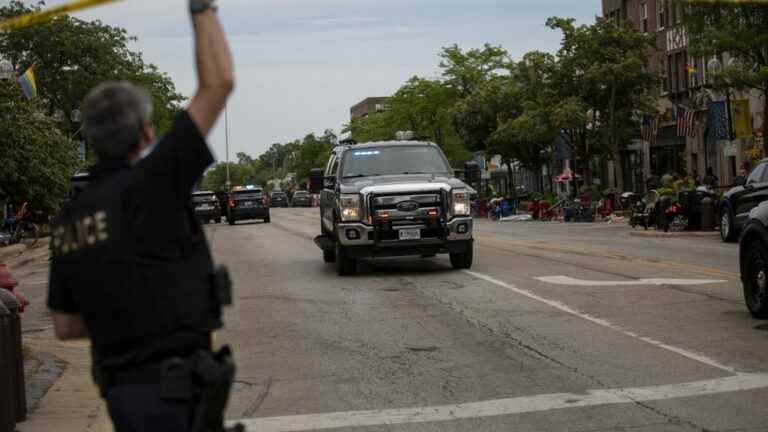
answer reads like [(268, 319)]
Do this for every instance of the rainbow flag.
[(28, 84)]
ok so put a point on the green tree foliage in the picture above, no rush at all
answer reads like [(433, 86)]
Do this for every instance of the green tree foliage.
[(279, 160), (525, 129), (72, 56), (738, 29), (37, 159), (601, 86)]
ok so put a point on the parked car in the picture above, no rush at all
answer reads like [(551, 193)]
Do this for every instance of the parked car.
[(753, 261), (302, 199), (248, 203), (278, 199), (388, 199), (206, 206), (740, 200)]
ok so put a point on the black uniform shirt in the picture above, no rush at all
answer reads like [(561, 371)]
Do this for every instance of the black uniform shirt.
[(131, 258)]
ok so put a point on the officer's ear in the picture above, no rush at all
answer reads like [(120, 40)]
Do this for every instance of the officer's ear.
[(147, 134)]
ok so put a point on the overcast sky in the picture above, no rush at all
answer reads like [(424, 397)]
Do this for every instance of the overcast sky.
[(301, 64)]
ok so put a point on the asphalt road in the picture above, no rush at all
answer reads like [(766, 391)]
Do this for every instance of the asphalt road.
[(556, 328)]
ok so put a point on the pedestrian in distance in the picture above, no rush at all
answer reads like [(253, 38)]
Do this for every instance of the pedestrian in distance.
[(131, 267), (710, 179)]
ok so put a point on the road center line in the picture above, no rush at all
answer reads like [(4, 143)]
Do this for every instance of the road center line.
[(510, 406), (599, 321), (567, 280)]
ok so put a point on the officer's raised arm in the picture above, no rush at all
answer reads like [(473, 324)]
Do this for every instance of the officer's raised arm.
[(215, 71)]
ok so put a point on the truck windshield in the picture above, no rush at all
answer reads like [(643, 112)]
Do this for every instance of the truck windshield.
[(394, 160)]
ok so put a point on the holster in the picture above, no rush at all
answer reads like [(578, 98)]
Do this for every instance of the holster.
[(205, 379), (214, 374)]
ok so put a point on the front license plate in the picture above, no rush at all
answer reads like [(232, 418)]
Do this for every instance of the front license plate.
[(410, 234)]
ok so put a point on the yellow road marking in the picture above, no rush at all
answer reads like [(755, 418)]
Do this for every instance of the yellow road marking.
[(499, 243)]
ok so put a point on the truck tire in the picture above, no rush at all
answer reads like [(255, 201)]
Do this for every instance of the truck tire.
[(463, 260), (345, 266), (329, 256)]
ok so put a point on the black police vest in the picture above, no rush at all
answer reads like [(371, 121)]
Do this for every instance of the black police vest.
[(139, 269)]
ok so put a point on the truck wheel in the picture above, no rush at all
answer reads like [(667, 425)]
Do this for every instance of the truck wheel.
[(329, 256), (345, 265), (464, 259)]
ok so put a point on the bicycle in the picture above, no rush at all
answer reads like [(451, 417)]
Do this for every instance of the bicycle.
[(24, 232)]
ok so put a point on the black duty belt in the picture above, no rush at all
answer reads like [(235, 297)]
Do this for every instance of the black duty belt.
[(148, 373)]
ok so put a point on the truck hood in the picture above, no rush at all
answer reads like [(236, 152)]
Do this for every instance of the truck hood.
[(404, 183)]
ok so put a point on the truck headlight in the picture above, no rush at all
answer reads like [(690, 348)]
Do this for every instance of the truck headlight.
[(461, 203), (349, 205)]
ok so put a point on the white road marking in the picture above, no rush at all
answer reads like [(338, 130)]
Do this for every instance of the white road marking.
[(510, 406), (599, 321), (567, 280)]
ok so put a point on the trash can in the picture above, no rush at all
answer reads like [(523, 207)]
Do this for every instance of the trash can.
[(16, 356), (708, 214), (7, 403)]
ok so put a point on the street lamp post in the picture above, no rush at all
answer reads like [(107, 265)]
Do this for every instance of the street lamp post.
[(226, 144)]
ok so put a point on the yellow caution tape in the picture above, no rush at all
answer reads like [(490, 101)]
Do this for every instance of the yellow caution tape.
[(35, 18)]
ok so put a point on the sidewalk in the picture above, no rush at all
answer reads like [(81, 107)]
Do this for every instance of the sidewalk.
[(60, 392)]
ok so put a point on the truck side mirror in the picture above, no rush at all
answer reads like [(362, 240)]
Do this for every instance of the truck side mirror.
[(316, 179)]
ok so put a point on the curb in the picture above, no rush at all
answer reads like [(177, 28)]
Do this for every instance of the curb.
[(662, 234)]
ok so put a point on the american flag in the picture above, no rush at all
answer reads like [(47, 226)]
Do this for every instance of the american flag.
[(649, 129), (686, 122)]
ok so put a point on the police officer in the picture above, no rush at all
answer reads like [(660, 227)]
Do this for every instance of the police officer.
[(132, 269)]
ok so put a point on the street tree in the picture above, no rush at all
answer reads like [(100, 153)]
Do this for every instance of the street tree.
[(603, 86), (466, 71), (71, 56), (738, 29), (37, 159)]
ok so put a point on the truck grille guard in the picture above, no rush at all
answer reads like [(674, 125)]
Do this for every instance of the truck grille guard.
[(389, 209)]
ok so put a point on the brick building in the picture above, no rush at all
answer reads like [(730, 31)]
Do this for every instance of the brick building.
[(368, 106), (684, 84)]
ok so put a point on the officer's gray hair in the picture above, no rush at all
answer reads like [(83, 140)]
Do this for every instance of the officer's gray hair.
[(114, 113)]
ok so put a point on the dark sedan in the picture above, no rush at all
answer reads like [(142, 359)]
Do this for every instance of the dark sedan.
[(753, 260), (302, 199), (740, 200)]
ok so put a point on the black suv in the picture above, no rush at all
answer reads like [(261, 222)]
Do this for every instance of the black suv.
[(302, 199), (247, 204), (206, 206), (753, 260), (387, 199), (740, 200), (278, 199)]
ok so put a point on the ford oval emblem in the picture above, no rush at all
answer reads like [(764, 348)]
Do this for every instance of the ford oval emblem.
[(408, 206)]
